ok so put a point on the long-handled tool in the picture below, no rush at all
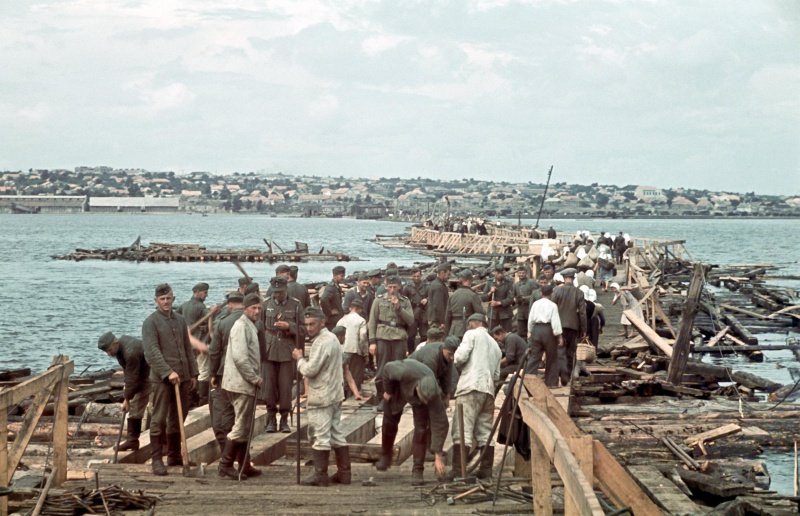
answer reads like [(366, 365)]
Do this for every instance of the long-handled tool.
[(187, 471), (298, 383), (463, 448), (119, 435), (246, 459)]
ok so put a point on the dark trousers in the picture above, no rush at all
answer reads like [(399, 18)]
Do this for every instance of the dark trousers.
[(388, 351), (570, 337), (422, 433), (164, 419), (544, 342), (507, 324), (279, 377), (522, 328), (594, 330), (222, 415)]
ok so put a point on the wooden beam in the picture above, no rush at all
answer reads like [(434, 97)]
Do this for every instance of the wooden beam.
[(729, 429), (540, 478), (582, 449), (11, 396), (680, 353), (60, 424), (649, 334), (4, 476), (32, 416), (664, 317), (716, 338)]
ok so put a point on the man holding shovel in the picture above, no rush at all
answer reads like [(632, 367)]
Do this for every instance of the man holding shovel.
[(165, 338)]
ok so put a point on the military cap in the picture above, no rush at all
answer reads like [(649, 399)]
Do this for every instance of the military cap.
[(465, 274), (414, 270), (499, 268), (280, 269), (393, 280), (163, 289), (476, 317), (357, 302), (547, 266), (314, 312), (443, 267), (235, 297), (547, 289), (428, 388), (339, 331), (498, 329), (251, 299), (252, 288), (391, 265), (392, 272), (568, 273), (522, 267), (374, 273), (278, 284), (200, 287), (106, 340), (243, 282), (338, 269), (451, 342), (435, 334), (362, 277), (293, 269)]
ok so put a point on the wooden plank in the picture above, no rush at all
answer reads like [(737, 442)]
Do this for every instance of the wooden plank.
[(716, 338), (32, 416), (649, 334), (11, 396), (664, 317), (405, 435), (60, 424), (582, 449), (680, 353), (4, 476), (660, 488), (729, 429), (203, 447), (540, 478)]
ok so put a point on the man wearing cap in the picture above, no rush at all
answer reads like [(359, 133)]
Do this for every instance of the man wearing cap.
[(356, 345), (463, 303), (222, 413), (417, 293), (282, 320), (361, 292), (438, 356), (551, 233), (323, 368), (523, 290), (330, 299), (297, 290), (572, 312), (411, 381), (438, 295), (241, 380), (129, 353), (389, 320), (168, 351), (499, 293), (192, 311), (478, 360), (375, 277), (544, 325), (513, 347)]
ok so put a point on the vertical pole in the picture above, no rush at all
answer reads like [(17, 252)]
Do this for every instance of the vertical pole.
[(540, 478), (680, 351), (4, 476), (60, 425), (582, 448)]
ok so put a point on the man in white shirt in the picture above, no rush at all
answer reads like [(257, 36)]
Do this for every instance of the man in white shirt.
[(356, 346), (544, 328)]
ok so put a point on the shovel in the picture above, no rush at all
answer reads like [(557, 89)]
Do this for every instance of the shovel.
[(119, 436), (187, 470)]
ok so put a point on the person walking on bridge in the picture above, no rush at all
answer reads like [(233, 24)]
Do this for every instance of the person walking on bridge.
[(462, 303)]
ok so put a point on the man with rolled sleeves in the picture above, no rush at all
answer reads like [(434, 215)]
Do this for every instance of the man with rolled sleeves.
[(130, 354), (165, 339), (192, 311), (389, 320), (356, 345), (545, 338), (523, 290), (438, 295), (240, 380), (282, 320), (222, 414), (330, 299), (478, 360), (462, 303), (323, 369), (499, 293), (297, 290), (572, 312), (417, 293)]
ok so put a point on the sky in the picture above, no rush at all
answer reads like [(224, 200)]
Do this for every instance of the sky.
[(697, 94)]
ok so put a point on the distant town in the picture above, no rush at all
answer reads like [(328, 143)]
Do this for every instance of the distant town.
[(105, 189)]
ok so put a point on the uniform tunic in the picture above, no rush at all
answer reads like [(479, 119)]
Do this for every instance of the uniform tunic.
[(242, 361), (463, 303), (572, 312), (366, 299), (278, 369), (222, 414), (504, 293), (523, 290), (300, 292), (445, 372), (192, 311), (416, 292), (330, 300), (387, 328), (137, 391), (438, 294)]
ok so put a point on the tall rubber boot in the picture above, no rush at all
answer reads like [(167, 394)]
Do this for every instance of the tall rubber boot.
[(202, 393), (487, 462), (243, 459), (343, 474), (174, 450), (387, 449), (455, 470), (134, 431), (158, 465), (226, 469), (418, 452), (320, 475)]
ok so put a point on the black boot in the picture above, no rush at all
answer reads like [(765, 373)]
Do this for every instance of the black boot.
[(156, 446), (202, 393), (320, 475), (387, 448), (418, 453), (487, 462), (343, 474), (134, 431), (285, 423), (455, 470), (243, 459), (226, 469), (174, 450), (272, 423)]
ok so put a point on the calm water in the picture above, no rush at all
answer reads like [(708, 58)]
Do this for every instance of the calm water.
[(63, 307)]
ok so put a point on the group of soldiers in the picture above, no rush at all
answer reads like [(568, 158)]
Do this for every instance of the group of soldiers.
[(251, 349)]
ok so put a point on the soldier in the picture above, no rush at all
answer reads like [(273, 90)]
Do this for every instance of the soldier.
[(323, 368), (549, 272), (572, 312), (551, 233), (389, 320), (361, 292), (243, 283), (282, 321), (417, 292), (438, 294), (222, 413), (297, 290), (478, 359), (375, 277), (330, 298), (192, 311), (129, 353), (240, 380), (411, 381), (462, 303), (356, 346), (513, 347), (523, 290), (544, 327), (165, 338), (499, 292)]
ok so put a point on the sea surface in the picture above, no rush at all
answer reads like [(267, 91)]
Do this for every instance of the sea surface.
[(53, 306)]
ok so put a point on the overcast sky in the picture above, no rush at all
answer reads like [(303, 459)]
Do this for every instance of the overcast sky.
[(702, 94)]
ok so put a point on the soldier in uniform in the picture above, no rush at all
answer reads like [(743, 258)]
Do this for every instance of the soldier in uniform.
[(165, 338), (361, 292), (243, 283), (129, 353), (374, 276), (297, 290), (499, 293), (389, 320), (222, 413), (192, 311), (282, 320), (330, 299), (417, 292), (572, 312), (523, 290), (438, 294), (513, 347), (462, 303)]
